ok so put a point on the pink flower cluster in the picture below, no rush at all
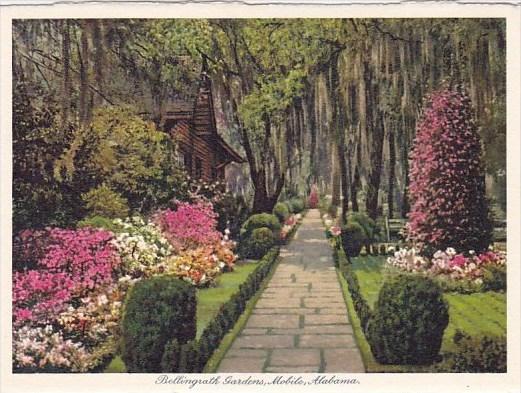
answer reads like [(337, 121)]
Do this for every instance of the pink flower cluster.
[(189, 226), (40, 295), (73, 263)]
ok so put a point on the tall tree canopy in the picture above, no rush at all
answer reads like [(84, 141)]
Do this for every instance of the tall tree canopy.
[(332, 102)]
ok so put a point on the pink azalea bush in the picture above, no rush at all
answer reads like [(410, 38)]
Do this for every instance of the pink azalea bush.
[(313, 197), (68, 267), (447, 187), (38, 296), (448, 263), (189, 226)]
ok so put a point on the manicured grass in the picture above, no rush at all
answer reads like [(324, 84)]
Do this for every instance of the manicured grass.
[(209, 300), (475, 314)]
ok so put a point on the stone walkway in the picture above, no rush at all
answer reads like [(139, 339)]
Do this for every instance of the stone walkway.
[(300, 323)]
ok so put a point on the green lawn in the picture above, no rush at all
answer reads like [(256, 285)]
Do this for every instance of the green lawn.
[(477, 313), (209, 300)]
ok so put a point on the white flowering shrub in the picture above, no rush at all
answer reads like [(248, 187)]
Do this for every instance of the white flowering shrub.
[(141, 247)]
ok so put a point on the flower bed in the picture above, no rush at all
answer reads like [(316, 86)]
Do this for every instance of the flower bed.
[(289, 227), (450, 266), (69, 284), (66, 309)]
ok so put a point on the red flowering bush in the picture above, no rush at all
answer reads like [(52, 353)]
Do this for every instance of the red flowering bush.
[(447, 186), (313, 197), (189, 226)]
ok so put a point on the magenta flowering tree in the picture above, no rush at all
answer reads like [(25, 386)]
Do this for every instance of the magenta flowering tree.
[(189, 226), (447, 186)]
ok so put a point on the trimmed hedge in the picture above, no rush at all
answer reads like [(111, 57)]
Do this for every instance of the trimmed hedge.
[(408, 321), (359, 303), (157, 311), (193, 355)]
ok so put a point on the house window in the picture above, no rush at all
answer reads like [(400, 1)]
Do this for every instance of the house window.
[(198, 168), (188, 162)]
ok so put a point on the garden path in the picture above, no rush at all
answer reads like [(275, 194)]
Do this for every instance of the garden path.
[(300, 322)]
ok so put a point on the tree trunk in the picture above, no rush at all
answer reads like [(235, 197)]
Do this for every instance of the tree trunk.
[(392, 165), (99, 59), (373, 181), (310, 121), (355, 185), (66, 55), (84, 110)]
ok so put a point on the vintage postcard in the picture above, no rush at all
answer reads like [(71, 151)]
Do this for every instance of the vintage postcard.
[(246, 197)]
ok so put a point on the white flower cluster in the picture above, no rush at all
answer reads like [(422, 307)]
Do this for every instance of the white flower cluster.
[(409, 260), (141, 246), (42, 347)]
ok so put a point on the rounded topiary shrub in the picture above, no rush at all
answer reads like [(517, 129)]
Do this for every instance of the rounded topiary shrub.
[(157, 311), (449, 207), (408, 321), (258, 243), (297, 205), (369, 226), (263, 220), (353, 238), (281, 211)]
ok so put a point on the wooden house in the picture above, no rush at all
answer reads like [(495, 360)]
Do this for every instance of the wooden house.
[(202, 151)]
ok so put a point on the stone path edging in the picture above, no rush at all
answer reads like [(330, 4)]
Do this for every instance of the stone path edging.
[(300, 322)]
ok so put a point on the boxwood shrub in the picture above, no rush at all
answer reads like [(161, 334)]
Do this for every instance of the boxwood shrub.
[(297, 205), (259, 221), (159, 315), (258, 243), (408, 321), (353, 238), (281, 211)]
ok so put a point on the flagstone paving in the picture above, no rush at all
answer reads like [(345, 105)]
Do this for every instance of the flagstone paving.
[(300, 322)]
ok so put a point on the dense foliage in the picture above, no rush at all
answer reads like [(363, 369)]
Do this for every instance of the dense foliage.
[(408, 321), (482, 354)]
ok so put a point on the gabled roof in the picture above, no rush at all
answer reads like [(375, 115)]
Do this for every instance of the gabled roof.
[(199, 117)]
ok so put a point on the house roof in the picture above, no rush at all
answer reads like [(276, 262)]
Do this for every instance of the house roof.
[(179, 114)]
